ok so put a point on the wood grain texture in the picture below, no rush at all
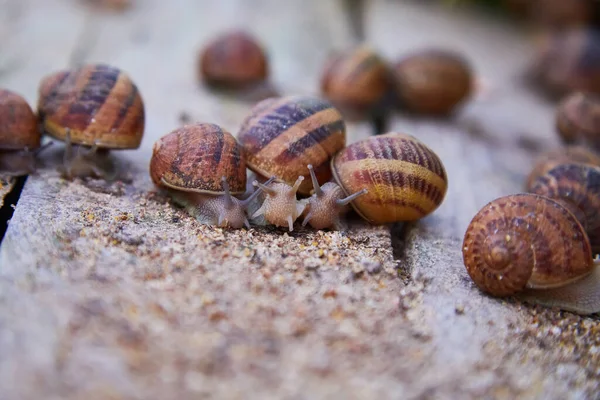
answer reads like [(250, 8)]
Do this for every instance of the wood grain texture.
[(122, 295)]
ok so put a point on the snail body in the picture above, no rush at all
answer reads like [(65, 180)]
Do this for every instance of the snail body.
[(356, 82), (433, 82), (577, 187), (577, 119), (234, 60), (404, 178), (280, 137), (327, 204), (93, 109), (19, 135), (202, 167), (527, 241)]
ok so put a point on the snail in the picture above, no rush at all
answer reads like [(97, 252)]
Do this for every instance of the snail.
[(563, 155), (280, 207), (577, 187), (327, 204), (202, 167), (280, 137), (433, 81), (356, 82), (387, 178), (577, 119), (235, 61), (568, 61), (20, 138), (528, 241), (94, 109)]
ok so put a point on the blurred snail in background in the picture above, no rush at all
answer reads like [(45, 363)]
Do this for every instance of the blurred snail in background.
[(527, 241), (357, 82), (563, 155), (20, 138), (568, 61), (387, 178), (433, 82), (578, 119), (236, 61), (280, 137), (93, 109), (202, 167)]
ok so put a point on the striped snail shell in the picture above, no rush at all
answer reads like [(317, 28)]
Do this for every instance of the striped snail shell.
[(527, 241), (577, 119), (202, 166), (97, 106), (433, 81), (563, 155), (577, 187), (281, 136), (356, 81), (19, 134), (405, 179)]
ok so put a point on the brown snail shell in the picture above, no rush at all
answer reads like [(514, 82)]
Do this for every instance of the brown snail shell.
[(193, 158), (20, 138), (281, 136), (405, 179), (578, 118), (568, 61), (433, 81), (577, 187), (563, 155), (525, 241), (356, 82), (201, 166), (19, 125), (96, 105), (234, 59)]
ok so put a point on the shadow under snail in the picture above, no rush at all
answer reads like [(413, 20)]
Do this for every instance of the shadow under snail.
[(20, 138), (93, 109), (533, 246), (203, 167), (386, 178), (280, 137)]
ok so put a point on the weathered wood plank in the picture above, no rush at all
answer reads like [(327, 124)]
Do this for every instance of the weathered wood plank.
[(108, 290), (483, 346)]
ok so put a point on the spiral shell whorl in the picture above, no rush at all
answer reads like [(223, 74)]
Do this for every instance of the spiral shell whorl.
[(193, 158), (406, 180), (577, 186), (282, 136), (95, 103), (525, 240)]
